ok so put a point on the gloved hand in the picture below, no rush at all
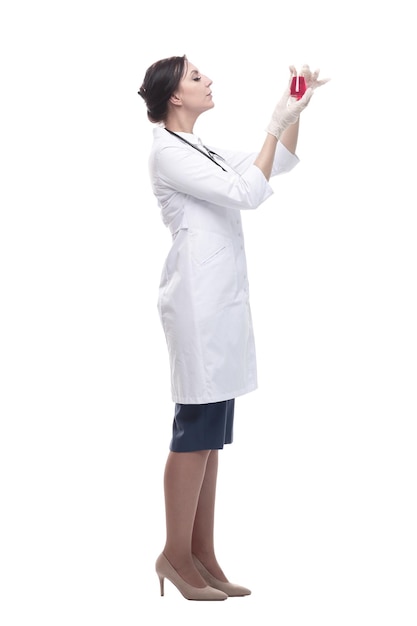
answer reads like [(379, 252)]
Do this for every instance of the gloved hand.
[(311, 78), (287, 111)]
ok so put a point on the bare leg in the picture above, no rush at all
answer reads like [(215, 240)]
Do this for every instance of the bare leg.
[(203, 531), (183, 480)]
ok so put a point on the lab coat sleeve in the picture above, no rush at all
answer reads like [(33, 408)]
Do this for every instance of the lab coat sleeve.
[(284, 160), (184, 170)]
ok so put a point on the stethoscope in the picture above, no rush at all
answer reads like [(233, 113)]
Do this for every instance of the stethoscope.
[(209, 154)]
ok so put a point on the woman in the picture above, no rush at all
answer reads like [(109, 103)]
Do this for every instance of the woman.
[(204, 301)]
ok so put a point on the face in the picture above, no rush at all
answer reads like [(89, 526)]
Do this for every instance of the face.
[(194, 93)]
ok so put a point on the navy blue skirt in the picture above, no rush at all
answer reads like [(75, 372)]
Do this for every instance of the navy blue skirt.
[(202, 426)]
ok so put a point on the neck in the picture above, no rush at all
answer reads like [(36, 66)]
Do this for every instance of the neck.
[(179, 128), (180, 123)]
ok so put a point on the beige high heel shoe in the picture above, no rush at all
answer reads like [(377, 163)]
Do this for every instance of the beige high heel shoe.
[(164, 570), (229, 588)]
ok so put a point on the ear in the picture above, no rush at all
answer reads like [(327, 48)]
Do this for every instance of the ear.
[(175, 100)]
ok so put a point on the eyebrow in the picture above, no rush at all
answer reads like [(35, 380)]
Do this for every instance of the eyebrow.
[(194, 72)]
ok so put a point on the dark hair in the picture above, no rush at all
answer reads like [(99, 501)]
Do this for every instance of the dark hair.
[(161, 80)]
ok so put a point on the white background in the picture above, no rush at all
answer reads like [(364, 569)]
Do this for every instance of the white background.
[(317, 495)]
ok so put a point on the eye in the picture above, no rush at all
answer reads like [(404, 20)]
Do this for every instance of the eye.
[(197, 78)]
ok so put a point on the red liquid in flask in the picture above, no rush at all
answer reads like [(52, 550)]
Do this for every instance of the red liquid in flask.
[(298, 86)]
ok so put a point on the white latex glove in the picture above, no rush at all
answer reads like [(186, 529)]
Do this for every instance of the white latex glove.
[(311, 78), (287, 111)]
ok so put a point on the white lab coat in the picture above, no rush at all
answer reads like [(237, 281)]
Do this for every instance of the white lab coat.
[(204, 293)]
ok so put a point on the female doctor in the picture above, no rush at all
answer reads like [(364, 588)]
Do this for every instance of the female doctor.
[(204, 301)]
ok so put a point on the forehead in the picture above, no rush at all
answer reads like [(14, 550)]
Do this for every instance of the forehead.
[(190, 69)]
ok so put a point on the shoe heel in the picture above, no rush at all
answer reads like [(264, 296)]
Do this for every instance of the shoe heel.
[(161, 584)]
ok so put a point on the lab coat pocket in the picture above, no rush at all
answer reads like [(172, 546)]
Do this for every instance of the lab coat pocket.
[(214, 273)]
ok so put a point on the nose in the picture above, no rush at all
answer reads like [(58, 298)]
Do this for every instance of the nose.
[(208, 81)]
